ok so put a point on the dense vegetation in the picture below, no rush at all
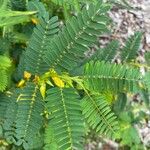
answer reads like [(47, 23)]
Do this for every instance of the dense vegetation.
[(53, 91)]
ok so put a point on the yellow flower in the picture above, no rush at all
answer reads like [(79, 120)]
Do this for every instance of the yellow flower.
[(21, 83), (43, 90), (58, 82), (36, 79), (27, 75), (34, 20)]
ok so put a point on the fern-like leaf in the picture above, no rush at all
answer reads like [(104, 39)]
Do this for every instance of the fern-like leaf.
[(3, 80), (37, 45), (10, 116), (24, 117), (30, 122), (21, 67), (100, 76), (99, 115), (49, 140), (103, 54), (66, 119), (35, 5), (4, 102), (129, 52), (67, 49), (5, 63), (108, 53)]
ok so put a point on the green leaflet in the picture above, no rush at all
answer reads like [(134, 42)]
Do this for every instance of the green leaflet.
[(132, 45), (108, 53), (5, 13), (37, 45), (3, 80), (35, 5), (9, 17), (41, 12), (24, 117), (49, 140), (66, 117), (103, 54), (5, 64), (120, 103), (9, 118), (130, 137), (104, 76), (32, 59), (4, 103), (99, 115), (67, 49)]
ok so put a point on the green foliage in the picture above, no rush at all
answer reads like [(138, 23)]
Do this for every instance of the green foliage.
[(121, 3), (9, 17), (147, 57), (5, 64), (120, 103), (18, 5), (108, 53), (129, 134), (68, 4), (147, 80), (42, 34), (60, 91), (131, 48), (9, 117), (3, 82), (115, 78), (50, 140), (99, 115), (23, 128), (3, 107), (76, 4), (4, 45), (71, 5), (4, 4), (35, 5), (66, 117), (67, 49), (145, 91), (13, 17)]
